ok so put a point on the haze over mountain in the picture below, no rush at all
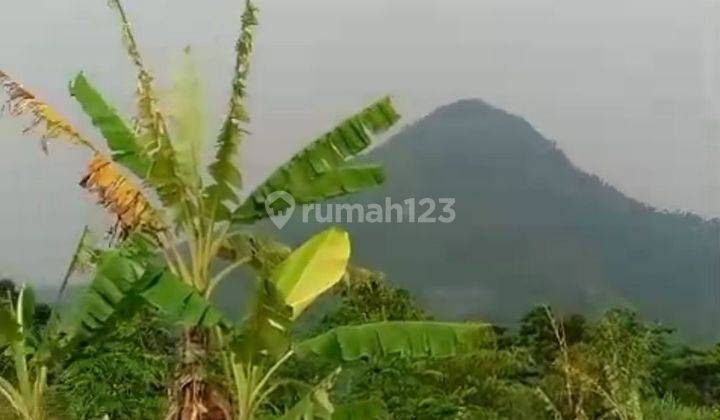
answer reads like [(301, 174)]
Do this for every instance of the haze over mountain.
[(531, 228)]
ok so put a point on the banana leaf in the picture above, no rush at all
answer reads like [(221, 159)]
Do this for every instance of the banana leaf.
[(318, 171), (120, 138), (312, 269), (406, 339)]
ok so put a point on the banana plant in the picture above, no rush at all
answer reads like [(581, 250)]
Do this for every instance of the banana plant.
[(21, 342), (254, 349), (33, 350), (150, 176)]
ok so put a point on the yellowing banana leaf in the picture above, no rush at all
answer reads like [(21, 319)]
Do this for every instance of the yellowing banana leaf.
[(316, 266), (121, 197), (22, 102), (120, 138), (407, 339), (303, 176)]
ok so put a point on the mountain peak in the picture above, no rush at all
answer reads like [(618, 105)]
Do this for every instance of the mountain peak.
[(470, 108)]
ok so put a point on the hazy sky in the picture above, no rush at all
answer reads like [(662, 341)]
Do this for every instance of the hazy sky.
[(630, 89)]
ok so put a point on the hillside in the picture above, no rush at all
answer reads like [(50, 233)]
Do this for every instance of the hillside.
[(530, 228)]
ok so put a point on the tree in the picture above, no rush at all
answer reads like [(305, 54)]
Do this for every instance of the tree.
[(198, 219)]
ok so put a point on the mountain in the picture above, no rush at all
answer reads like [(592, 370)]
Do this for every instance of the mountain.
[(530, 228)]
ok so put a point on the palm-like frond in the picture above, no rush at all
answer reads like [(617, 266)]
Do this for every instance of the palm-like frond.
[(21, 102), (121, 197), (319, 171), (224, 170)]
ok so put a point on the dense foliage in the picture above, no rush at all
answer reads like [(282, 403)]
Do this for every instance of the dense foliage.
[(554, 367), (550, 367)]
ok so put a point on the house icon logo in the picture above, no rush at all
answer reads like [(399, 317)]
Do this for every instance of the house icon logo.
[(280, 206)]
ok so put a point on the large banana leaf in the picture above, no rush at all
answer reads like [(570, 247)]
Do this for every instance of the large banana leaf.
[(323, 157), (179, 303), (346, 179), (312, 269), (122, 284), (407, 339), (224, 170), (120, 138), (117, 275)]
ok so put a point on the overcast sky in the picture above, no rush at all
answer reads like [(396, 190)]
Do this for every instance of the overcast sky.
[(629, 89)]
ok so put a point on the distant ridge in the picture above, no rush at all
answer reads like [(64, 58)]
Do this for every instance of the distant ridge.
[(531, 228)]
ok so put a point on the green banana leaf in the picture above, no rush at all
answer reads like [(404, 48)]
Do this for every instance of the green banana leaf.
[(129, 277), (407, 339), (26, 306), (323, 158), (120, 138), (224, 169), (346, 179), (179, 303), (312, 269), (361, 410), (9, 328), (117, 275)]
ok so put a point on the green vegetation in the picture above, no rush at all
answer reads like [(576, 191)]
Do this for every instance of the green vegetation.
[(145, 340), (616, 367), (167, 254)]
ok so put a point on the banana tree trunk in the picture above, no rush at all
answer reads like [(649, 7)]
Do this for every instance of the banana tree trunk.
[(194, 396)]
